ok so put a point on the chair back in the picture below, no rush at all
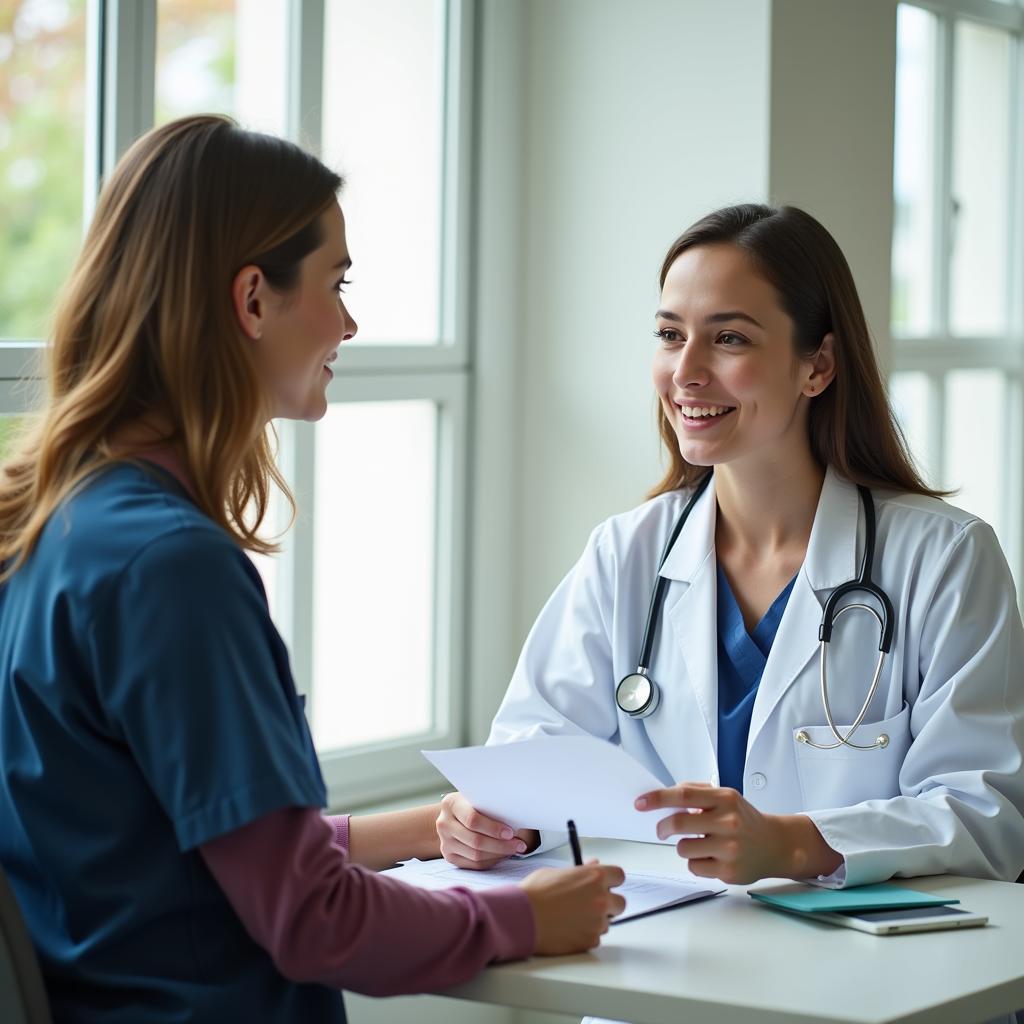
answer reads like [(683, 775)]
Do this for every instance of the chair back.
[(22, 993)]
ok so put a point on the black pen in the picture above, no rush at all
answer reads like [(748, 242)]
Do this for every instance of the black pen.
[(574, 842)]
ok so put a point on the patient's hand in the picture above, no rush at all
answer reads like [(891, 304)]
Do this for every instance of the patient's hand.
[(572, 907), (470, 839)]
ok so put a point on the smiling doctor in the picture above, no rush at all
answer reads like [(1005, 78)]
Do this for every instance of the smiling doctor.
[(785, 453)]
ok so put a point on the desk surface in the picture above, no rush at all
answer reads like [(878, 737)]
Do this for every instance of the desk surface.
[(729, 960)]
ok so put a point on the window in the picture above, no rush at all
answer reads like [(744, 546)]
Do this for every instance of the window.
[(958, 241), (390, 152), (226, 56), (374, 574), (368, 589)]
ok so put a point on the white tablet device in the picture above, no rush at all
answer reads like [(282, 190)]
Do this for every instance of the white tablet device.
[(904, 919)]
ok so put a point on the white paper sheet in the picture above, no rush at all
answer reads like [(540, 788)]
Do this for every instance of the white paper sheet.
[(545, 781), (644, 893)]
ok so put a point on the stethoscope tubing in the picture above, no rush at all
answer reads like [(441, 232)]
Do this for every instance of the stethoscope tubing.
[(862, 583), (661, 584)]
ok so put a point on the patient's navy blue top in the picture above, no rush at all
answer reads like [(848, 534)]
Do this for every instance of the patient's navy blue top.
[(146, 707), (741, 660)]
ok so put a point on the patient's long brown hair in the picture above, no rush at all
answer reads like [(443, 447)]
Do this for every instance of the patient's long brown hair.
[(852, 427), (146, 327)]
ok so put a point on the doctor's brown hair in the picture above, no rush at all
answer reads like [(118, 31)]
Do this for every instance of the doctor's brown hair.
[(146, 323), (852, 427)]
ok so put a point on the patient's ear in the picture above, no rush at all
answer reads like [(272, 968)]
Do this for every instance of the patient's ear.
[(249, 299)]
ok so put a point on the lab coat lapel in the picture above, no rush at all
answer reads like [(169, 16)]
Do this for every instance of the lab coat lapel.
[(692, 618), (831, 559)]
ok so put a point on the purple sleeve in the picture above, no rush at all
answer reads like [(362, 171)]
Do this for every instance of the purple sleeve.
[(323, 919), (339, 822)]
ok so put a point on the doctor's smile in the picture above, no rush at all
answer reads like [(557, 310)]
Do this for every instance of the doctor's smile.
[(702, 417)]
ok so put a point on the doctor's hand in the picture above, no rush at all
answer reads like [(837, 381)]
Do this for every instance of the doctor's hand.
[(573, 906), (470, 839), (726, 837)]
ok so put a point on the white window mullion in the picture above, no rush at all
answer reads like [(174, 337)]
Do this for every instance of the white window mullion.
[(294, 600), (293, 603), (95, 58), (450, 570), (1015, 211), (943, 163), (937, 428), (129, 75), (1013, 481), (457, 197), (403, 358), (1015, 320), (306, 73)]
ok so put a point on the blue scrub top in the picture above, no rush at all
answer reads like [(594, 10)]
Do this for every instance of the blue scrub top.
[(146, 707), (742, 657)]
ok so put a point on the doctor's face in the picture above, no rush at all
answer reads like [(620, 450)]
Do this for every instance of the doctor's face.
[(725, 368)]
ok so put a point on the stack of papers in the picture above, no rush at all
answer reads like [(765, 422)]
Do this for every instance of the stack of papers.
[(644, 894)]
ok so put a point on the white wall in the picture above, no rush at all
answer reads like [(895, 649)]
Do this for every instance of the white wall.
[(606, 128), (640, 118)]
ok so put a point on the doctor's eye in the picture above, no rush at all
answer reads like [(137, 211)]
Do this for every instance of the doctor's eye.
[(731, 340), (669, 335), (339, 286)]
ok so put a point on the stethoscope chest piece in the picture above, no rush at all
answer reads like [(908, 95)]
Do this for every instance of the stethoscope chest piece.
[(637, 695)]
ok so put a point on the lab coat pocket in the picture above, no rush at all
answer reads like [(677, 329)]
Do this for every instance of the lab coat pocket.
[(843, 775)]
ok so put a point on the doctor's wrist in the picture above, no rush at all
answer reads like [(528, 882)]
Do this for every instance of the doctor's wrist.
[(806, 854)]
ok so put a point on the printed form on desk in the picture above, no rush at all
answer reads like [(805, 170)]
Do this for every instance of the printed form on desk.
[(644, 894)]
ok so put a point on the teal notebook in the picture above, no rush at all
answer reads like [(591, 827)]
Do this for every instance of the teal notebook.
[(807, 899)]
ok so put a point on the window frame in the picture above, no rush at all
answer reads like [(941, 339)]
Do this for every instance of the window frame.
[(939, 352), (121, 67)]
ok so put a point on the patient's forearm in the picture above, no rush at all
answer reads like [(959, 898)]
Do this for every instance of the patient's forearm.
[(379, 840)]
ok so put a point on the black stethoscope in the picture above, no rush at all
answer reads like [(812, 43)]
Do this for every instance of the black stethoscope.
[(638, 695)]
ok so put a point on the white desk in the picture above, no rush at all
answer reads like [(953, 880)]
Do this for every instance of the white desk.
[(729, 960)]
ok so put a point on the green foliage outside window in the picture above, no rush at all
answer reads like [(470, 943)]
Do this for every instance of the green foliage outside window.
[(42, 116), (42, 132), (195, 59)]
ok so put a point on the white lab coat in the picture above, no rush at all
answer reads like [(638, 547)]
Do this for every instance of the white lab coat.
[(947, 792)]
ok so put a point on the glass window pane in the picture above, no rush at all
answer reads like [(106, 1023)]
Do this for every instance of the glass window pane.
[(42, 138), (373, 578), (981, 160), (909, 394), (913, 177), (222, 56), (390, 152), (976, 443)]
